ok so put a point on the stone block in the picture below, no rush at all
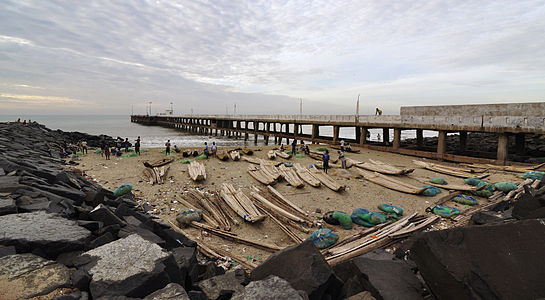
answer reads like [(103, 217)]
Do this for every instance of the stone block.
[(7, 206), (105, 215), (172, 291), (223, 285), (502, 261), (40, 230), (272, 287), (26, 275)]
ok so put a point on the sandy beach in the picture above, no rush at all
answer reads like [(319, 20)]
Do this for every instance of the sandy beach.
[(316, 201)]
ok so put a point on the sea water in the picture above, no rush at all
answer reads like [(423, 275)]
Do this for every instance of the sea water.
[(156, 136)]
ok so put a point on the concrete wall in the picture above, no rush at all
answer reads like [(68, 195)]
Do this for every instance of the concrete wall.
[(536, 109)]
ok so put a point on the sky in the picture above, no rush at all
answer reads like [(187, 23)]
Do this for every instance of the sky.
[(266, 57)]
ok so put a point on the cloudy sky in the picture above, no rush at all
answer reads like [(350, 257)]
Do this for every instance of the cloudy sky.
[(108, 57)]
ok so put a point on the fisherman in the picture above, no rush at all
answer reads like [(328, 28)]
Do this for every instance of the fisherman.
[(102, 147), (348, 147), (19, 120), (119, 140), (214, 148), (342, 158), (342, 145), (137, 146), (206, 149), (282, 147), (378, 112), (84, 147), (294, 147), (107, 152), (176, 149), (24, 122), (167, 145), (325, 158), (127, 145), (307, 150), (302, 148)]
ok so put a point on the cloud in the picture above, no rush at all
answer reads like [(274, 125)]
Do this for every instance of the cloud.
[(38, 100), (265, 55)]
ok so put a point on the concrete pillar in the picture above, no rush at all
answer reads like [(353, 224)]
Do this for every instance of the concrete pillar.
[(442, 142), (245, 136), (363, 135), (463, 141), (315, 133), (255, 138), (503, 142), (520, 143), (335, 134), (386, 136), (397, 138), (295, 130), (266, 139), (419, 138)]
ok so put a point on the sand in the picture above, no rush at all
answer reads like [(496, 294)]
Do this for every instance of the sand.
[(359, 193)]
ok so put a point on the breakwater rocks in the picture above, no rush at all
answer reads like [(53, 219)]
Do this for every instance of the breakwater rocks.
[(485, 145), (65, 237)]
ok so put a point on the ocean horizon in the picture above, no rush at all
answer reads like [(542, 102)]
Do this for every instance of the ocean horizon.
[(156, 136)]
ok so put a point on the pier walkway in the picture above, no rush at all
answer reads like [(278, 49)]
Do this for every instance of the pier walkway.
[(504, 120)]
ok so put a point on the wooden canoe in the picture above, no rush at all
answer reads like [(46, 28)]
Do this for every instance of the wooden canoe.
[(261, 176), (380, 167), (235, 155), (271, 170), (390, 182), (306, 176), (450, 187), (449, 170), (290, 176), (247, 151), (159, 163), (350, 150), (283, 154), (271, 154), (240, 203), (222, 155), (326, 180), (197, 171), (518, 169)]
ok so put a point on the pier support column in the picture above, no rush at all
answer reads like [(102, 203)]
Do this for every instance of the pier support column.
[(245, 136), (315, 133), (442, 143), (419, 138), (503, 141), (386, 136), (397, 138), (463, 141), (364, 132), (520, 143), (335, 134)]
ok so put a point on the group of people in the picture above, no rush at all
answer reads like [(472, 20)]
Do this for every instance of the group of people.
[(207, 151), (24, 121), (107, 151)]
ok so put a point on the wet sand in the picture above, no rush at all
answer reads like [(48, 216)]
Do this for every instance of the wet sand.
[(359, 193)]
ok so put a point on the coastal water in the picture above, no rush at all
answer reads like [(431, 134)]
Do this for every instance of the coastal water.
[(155, 136)]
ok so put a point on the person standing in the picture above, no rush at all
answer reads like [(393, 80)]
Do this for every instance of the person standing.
[(102, 147), (342, 145), (107, 152), (206, 152), (84, 147), (294, 147), (342, 158), (167, 145), (214, 148), (325, 158), (127, 144), (137, 146)]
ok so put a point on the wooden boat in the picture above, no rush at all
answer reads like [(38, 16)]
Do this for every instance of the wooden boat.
[(156, 175), (197, 171), (326, 180), (448, 170), (235, 155), (306, 176), (271, 154), (159, 163), (390, 182), (519, 168), (349, 150), (276, 208), (283, 154), (240, 203), (285, 201), (271, 170), (320, 165), (450, 187), (380, 167), (315, 155), (247, 151), (260, 175), (290, 176), (222, 155)]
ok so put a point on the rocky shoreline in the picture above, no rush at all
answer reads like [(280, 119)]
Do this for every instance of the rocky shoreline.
[(63, 236)]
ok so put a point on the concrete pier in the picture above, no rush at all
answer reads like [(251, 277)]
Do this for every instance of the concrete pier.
[(412, 118)]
